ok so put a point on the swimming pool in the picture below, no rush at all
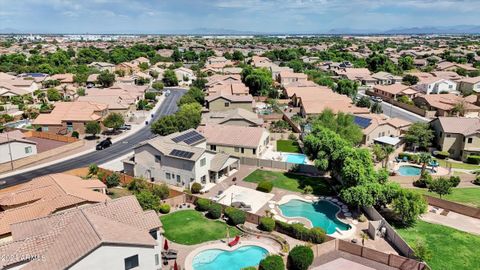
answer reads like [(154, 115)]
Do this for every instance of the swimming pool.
[(408, 170), (229, 260), (321, 214), (295, 158)]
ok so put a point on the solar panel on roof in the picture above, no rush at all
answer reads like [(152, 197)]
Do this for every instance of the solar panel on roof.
[(362, 121), (189, 137), (180, 153)]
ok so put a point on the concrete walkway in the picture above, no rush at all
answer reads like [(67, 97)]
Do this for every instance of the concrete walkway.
[(453, 220)]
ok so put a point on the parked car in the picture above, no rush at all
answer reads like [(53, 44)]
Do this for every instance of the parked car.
[(104, 144), (376, 99), (167, 93), (126, 127)]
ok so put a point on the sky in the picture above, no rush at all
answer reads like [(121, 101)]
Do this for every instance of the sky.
[(262, 16)]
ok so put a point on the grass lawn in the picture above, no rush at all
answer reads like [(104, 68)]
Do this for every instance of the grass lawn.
[(290, 181), (190, 227), (118, 192), (451, 249), (468, 196), (458, 165), (288, 146)]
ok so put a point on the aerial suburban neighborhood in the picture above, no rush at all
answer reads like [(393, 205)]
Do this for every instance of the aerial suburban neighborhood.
[(238, 150)]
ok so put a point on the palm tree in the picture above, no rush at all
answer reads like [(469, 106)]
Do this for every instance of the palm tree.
[(382, 153), (424, 158), (364, 237), (388, 150)]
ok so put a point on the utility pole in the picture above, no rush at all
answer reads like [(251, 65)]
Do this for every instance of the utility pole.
[(10, 151)]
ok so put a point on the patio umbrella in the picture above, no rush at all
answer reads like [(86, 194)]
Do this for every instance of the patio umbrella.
[(165, 245), (175, 266)]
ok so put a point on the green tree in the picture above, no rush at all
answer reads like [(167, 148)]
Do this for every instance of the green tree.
[(424, 159), (364, 102), (143, 66), (441, 186), (113, 180), (300, 258), (81, 91), (408, 205), (93, 128), (53, 95), (347, 87), (157, 86), (188, 116), (341, 123), (237, 56), (106, 79), (272, 262), (147, 200), (406, 62), (169, 78), (165, 125), (410, 79), (114, 120), (376, 108), (419, 134), (258, 80)]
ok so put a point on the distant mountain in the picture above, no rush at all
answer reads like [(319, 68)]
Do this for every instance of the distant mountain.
[(458, 29), (214, 31), (351, 31), (9, 31)]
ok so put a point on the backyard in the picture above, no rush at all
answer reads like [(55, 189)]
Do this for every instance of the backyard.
[(290, 181), (458, 165), (468, 196), (451, 249), (118, 192), (288, 146), (190, 227)]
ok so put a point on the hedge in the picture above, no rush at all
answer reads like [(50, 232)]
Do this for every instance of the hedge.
[(300, 258), (265, 186), (267, 224), (455, 180), (196, 187), (299, 231), (272, 262), (203, 204), (441, 154), (214, 210), (234, 216), (472, 159), (164, 208)]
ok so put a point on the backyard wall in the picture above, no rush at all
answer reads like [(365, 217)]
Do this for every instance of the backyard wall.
[(453, 206), (281, 165)]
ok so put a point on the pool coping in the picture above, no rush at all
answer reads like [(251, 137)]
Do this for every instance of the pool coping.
[(398, 165), (287, 198), (223, 246)]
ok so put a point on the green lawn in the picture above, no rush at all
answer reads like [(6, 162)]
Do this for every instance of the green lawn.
[(468, 196), (451, 249), (458, 165), (288, 146), (190, 227), (290, 181)]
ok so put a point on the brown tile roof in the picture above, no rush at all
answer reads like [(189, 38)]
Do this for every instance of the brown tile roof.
[(461, 125), (45, 195), (392, 89), (237, 136), (64, 238), (72, 111), (447, 101), (222, 117), (232, 98), (228, 89)]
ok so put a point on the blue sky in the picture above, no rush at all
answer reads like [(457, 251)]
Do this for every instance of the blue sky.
[(170, 16)]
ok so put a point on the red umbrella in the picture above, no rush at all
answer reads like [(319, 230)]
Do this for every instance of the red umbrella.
[(165, 245), (175, 266)]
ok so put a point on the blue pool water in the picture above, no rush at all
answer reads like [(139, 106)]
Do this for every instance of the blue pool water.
[(408, 170), (321, 214), (229, 260), (296, 158)]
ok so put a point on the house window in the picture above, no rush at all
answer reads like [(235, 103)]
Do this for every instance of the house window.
[(227, 104), (157, 260), (243, 150), (203, 179), (28, 150), (213, 147), (448, 135), (158, 158), (44, 129), (254, 151), (178, 179), (203, 161), (168, 176), (470, 140), (131, 262)]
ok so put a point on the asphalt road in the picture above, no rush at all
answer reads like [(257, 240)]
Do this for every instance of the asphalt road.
[(169, 106), (394, 111)]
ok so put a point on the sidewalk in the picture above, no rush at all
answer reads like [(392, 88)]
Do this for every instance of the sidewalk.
[(89, 146)]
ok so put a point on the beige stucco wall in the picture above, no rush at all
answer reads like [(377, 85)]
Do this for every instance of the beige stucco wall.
[(17, 150), (247, 152), (380, 131), (219, 105)]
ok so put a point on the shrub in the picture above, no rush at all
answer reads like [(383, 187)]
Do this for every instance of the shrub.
[(214, 210), (423, 181), (307, 190), (300, 232), (292, 137), (441, 154), (265, 186), (473, 159), (93, 169), (161, 191), (2, 108), (101, 176), (300, 258), (150, 95), (196, 187), (421, 251), (362, 218), (235, 216), (477, 180), (113, 180), (267, 224), (317, 235), (164, 208), (75, 134), (203, 204), (454, 180), (272, 262)]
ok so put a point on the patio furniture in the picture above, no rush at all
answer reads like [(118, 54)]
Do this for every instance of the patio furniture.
[(169, 256), (405, 159), (234, 242)]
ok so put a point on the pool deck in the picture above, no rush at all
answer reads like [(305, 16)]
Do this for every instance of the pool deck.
[(439, 171), (223, 246)]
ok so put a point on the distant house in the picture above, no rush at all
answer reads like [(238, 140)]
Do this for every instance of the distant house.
[(235, 140), (103, 66), (65, 79), (449, 66), (376, 126), (127, 67), (444, 104), (236, 117), (385, 78), (46, 195), (287, 77), (459, 136), (436, 85), (468, 85), (67, 117), (235, 89), (222, 80), (115, 234), (92, 80), (260, 61), (185, 76), (394, 91), (360, 75), (180, 159), (227, 102), (140, 60), (14, 145)]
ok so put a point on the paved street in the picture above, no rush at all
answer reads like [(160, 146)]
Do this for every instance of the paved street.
[(118, 149), (394, 111)]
